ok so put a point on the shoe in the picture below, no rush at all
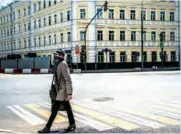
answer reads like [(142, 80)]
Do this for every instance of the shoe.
[(44, 130), (70, 128)]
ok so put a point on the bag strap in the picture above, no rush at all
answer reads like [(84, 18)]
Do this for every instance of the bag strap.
[(53, 78)]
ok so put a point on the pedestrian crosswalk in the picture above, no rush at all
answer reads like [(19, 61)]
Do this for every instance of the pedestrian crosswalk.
[(102, 116)]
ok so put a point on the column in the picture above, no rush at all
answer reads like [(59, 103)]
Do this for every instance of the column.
[(128, 53), (91, 31), (149, 56), (74, 29), (117, 55)]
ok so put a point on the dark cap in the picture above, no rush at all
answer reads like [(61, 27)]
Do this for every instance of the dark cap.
[(61, 52)]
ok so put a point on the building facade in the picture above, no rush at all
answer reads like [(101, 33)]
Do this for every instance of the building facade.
[(42, 26)]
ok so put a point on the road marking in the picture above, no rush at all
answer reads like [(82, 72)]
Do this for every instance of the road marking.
[(26, 116), (143, 114), (170, 109), (166, 113), (36, 108), (99, 115), (86, 120), (169, 104), (127, 117)]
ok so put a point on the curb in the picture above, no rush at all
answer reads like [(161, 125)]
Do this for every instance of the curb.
[(26, 71)]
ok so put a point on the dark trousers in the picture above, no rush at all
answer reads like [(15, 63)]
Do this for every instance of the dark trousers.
[(55, 109)]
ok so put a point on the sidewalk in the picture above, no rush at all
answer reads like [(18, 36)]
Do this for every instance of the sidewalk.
[(130, 70)]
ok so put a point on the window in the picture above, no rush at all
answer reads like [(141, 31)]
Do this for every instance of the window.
[(61, 37), (69, 36), (1, 20), (165, 56), (25, 27), (133, 15), (143, 14), (34, 7), (173, 56), (82, 35), (135, 56), (122, 14), (112, 57), (19, 44), (172, 16), (19, 13), (144, 35), (24, 43), (39, 5), (55, 38), (100, 57), (7, 32), (122, 57), (49, 20), (49, 39), (34, 41), (82, 13), (55, 19), (19, 28), (144, 56), (172, 36), (163, 33), (133, 35), (111, 35), (44, 40), (24, 11), (28, 25), (55, 2), (39, 23), (68, 15), (13, 15), (100, 14), (8, 18), (11, 30), (44, 21), (28, 10), (35, 24), (39, 41), (49, 3), (122, 35), (44, 4), (111, 14), (99, 35), (29, 43), (162, 15), (153, 36), (154, 56), (61, 17), (153, 15)]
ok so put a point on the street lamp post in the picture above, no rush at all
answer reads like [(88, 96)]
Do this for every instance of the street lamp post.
[(105, 9), (106, 50), (162, 48)]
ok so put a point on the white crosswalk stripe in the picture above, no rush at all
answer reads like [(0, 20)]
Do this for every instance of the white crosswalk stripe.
[(124, 116), (86, 120), (25, 115), (166, 113), (168, 103)]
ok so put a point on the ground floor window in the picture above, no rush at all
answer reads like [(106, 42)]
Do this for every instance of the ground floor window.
[(122, 57), (100, 57), (135, 56), (112, 56)]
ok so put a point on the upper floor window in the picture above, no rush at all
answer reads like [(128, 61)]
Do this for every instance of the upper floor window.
[(55, 19), (29, 10), (172, 36), (24, 11), (68, 15), (111, 14), (100, 14), (19, 13), (122, 14), (133, 14), (82, 13), (143, 14), (61, 17), (39, 5), (172, 16), (49, 20), (111, 35), (69, 36), (49, 3), (133, 35), (44, 4), (34, 7), (162, 15), (153, 15)]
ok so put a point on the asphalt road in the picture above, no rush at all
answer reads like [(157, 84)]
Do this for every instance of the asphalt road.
[(116, 102)]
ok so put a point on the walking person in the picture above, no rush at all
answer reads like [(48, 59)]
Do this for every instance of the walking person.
[(64, 94)]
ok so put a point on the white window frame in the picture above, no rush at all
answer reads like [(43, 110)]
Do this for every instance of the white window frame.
[(124, 13), (83, 13), (165, 15), (155, 15), (111, 14), (102, 13), (135, 14), (145, 13)]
